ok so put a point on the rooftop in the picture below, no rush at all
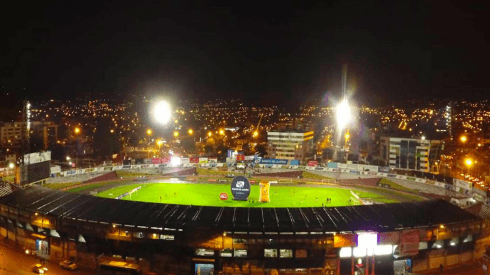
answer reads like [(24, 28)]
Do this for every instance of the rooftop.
[(380, 217)]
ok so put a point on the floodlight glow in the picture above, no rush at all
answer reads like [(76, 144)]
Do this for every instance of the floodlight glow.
[(11, 165), (175, 161), (343, 113), (162, 112)]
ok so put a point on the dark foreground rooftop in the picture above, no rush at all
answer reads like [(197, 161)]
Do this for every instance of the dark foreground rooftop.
[(380, 218)]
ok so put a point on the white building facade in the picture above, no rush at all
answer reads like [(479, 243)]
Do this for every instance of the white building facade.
[(406, 153), (289, 145)]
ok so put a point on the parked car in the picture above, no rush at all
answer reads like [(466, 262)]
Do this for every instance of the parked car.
[(68, 265), (39, 269)]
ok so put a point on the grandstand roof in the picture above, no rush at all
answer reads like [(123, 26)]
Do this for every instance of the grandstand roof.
[(380, 217)]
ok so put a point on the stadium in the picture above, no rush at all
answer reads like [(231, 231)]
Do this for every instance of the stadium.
[(190, 219)]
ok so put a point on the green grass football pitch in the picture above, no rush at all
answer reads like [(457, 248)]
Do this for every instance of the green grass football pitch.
[(208, 195)]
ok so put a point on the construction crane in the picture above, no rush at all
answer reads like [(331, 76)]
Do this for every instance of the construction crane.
[(256, 132)]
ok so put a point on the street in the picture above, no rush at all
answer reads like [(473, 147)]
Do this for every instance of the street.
[(12, 261)]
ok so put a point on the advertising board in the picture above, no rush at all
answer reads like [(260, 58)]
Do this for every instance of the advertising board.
[(353, 167), (409, 243), (240, 188), (213, 160), (37, 157), (203, 160), (194, 160), (185, 160), (384, 169), (274, 161), (342, 165), (312, 163), (462, 184)]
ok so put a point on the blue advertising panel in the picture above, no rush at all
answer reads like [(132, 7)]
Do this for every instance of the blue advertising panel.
[(294, 162), (331, 164), (273, 161)]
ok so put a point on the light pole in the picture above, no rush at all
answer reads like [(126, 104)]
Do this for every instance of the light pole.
[(343, 115), (159, 143), (468, 163), (77, 132)]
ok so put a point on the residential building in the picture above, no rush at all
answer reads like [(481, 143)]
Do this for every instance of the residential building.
[(289, 145), (11, 133), (408, 153), (296, 124)]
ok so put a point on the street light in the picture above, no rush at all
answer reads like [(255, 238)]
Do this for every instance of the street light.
[(77, 130), (176, 134), (149, 132), (256, 134), (190, 131), (468, 163), (68, 158), (463, 138), (11, 165), (210, 134), (221, 131)]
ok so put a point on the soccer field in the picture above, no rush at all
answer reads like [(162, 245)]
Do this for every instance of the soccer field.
[(208, 195)]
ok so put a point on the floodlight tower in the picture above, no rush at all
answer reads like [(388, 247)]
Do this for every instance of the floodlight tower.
[(343, 111)]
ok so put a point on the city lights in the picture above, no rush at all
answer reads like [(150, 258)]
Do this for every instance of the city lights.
[(463, 138), (77, 130), (210, 134), (468, 162), (221, 131), (149, 132), (176, 134), (190, 131)]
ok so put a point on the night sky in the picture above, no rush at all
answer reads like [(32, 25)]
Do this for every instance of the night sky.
[(269, 51)]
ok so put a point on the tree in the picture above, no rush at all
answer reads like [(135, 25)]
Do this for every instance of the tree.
[(260, 148)]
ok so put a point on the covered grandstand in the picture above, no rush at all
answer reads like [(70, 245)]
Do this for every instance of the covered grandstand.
[(180, 238)]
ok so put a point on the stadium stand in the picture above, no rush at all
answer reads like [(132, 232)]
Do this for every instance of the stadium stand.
[(181, 172), (104, 177), (360, 181), (74, 178), (5, 189)]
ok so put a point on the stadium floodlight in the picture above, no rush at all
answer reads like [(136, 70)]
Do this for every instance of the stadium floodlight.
[(175, 161), (343, 113), (162, 113)]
